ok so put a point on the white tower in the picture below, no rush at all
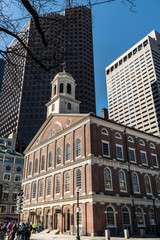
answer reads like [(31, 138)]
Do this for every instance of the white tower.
[(63, 95)]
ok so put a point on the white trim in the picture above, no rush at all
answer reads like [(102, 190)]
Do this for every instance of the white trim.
[(134, 155), (118, 137), (137, 182), (142, 142), (108, 189), (153, 154), (146, 175), (130, 140), (3, 205), (5, 179), (104, 129), (121, 146), (103, 141), (124, 179), (145, 164)]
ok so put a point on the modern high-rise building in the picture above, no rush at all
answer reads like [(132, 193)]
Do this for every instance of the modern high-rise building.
[(2, 64), (133, 86), (26, 85)]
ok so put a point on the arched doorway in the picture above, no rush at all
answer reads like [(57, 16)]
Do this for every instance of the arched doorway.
[(67, 220), (57, 216), (48, 219), (39, 217)]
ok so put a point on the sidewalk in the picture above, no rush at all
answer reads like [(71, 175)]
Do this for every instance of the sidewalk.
[(51, 236)]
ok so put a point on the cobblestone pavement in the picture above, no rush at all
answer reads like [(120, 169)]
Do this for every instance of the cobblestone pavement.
[(51, 236)]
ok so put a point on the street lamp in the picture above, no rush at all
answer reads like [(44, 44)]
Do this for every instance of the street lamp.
[(77, 190), (154, 207)]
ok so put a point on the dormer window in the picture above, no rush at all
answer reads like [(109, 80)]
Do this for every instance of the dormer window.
[(61, 88), (68, 88)]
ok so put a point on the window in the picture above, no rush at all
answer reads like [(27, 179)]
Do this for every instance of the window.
[(68, 152), (110, 217), (27, 191), (67, 182), (50, 159), (140, 217), (17, 188), (154, 160), (49, 186), (119, 151), (78, 179), (61, 88), (3, 209), (135, 183), (42, 162), (147, 185), (117, 135), (5, 193), (158, 185), (68, 88), (107, 179), (130, 139), (30, 168), (58, 155), (105, 146), (141, 143), (40, 188), (36, 165), (18, 178), (122, 181), (132, 155), (34, 191), (78, 147), (126, 216), (13, 209), (104, 131), (152, 145), (6, 177), (152, 218), (144, 158), (57, 184), (69, 106)]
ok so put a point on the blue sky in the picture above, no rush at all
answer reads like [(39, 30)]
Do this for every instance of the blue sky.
[(115, 30)]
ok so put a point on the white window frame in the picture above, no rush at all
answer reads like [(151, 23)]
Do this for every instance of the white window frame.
[(59, 156), (68, 144), (145, 164), (129, 215), (33, 189), (36, 160), (141, 142), (152, 145), (108, 189), (58, 176), (124, 180), (106, 132), (49, 159), (17, 175), (76, 148), (44, 163), (11, 209), (108, 148), (140, 225), (137, 182), (118, 137), (130, 139), (40, 188), (81, 178), (115, 220), (3, 205), (134, 155), (67, 183), (49, 178), (149, 184), (5, 179), (155, 155), (121, 146)]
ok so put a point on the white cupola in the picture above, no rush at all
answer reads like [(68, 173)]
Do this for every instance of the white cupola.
[(63, 95)]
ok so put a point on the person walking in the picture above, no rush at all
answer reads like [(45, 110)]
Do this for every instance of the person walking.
[(22, 231), (9, 229), (13, 232)]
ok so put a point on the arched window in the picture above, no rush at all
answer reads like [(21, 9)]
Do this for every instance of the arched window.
[(42, 162), (61, 88), (30, 168), (110, 217), (68, 88), (54, 89), (17, 188), (68, 152), (147, 184), (141, 143), (78, 179), (135, 183), (67, 182), (36, 165), (78, 147), (152, 145), (130, 139), (57, 184), (104, 131), (140, 217), (122, 181), (152, 218), (58, 155), (34, 190), (49, 186), (158, 185), (27, 191), (41, 188), (69, 106), (117, 135), (50, 159), (107, 179), (126, 216)]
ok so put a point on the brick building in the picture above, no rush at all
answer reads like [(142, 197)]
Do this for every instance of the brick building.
[(11, 168), (115, 167)]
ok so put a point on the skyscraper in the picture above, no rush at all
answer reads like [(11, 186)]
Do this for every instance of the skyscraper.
[(2, 63), (26, 85), (133, 86)]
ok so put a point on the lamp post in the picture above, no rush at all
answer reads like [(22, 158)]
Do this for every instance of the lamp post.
[(77, 237), (155, 214)]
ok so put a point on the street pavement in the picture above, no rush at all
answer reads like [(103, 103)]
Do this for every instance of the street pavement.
[(51, 236)]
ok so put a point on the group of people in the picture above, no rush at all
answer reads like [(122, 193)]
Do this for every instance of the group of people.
[(10, 231)]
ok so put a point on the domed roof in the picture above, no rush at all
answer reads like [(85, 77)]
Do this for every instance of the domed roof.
[(64, 73)]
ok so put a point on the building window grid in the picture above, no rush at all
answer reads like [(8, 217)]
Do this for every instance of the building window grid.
[(122, 181), (154, 160), (78, 179), (68, 152), (119, 151), (59, 156), (49, 187), (34, 191), (135, 182), (147, 185), (67, 182), (108, 179), (78, 147), (132, 156), (57, 184), (105, 149), (144, 158)]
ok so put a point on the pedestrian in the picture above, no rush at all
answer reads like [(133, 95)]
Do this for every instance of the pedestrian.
[(19, 232), (22, 231), (9, 229), (13, 232), (27, 232)]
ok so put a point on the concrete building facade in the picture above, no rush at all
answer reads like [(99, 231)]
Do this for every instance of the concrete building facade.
[(115, 168), (26, 85), (133, 86)]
